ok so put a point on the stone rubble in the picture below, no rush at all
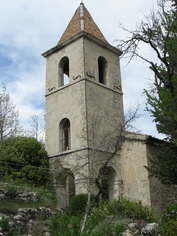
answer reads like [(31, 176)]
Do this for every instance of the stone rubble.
[(26, 220), (22, 196), (142, 229)]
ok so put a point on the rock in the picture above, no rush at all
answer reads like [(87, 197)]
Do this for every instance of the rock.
[(133, 227), (47, 234), (18, 218), (127, 233), (140, 223), (2, 191), (29, 196), (151, 229), (2, 196)]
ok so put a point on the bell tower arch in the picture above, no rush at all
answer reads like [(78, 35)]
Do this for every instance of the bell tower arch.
[(83, 98)]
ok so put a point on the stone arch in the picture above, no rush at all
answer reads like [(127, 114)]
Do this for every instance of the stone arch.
[(63, 72), (65, 187), (110, 182)]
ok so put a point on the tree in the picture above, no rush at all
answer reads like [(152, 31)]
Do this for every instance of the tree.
[(36, 130), (8, 116), (24, 159), (159, 32), (110, 143)]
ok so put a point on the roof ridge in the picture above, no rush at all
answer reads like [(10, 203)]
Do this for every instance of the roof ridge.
[(81, 21)]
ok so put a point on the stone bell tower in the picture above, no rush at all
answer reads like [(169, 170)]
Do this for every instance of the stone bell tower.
[(83, 106)]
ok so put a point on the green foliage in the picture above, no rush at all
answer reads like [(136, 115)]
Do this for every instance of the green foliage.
[(169, 221), (169, 228), (170, 213), (125, 208), (24, 159), (164, 166), (45, 197), (107, 219), (111, 225), (159, 32), (99, 212), (162, 96), (68, 225), (4, 224), (11, 191), (133, 209), (78, 203), (65, 225)]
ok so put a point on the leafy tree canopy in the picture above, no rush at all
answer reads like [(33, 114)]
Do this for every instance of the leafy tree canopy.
[(24, 158), (159, 32)]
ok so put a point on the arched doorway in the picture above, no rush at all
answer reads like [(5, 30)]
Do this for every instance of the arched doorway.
[(109, 188), (65, 187)]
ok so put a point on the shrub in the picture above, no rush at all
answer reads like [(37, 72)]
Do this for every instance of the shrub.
[(170, 213), (78, 203), (65, 225), (169, 228), (4, 224), (11, 191), (169, 221), (99, 212), (133, 210), (24, 159), (111, 225)]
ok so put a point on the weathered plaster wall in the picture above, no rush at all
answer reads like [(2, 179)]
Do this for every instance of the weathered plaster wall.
[(134, 175), (104, 115), (92, 51), (66, 103)]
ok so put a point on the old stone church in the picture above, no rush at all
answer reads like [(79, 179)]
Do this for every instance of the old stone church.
[(85, 121)]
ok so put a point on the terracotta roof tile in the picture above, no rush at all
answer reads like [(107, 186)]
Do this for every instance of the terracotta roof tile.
[(81, 20)]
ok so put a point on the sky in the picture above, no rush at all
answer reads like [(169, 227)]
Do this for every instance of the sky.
[(29, 28)]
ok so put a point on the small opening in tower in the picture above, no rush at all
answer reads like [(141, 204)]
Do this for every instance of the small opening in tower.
[(64, 71), (65, 142), (102, 70)]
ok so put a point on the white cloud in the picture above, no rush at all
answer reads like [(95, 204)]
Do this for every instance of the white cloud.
[(28, 28)]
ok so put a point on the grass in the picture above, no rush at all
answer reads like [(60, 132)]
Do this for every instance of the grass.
[(45, 197)]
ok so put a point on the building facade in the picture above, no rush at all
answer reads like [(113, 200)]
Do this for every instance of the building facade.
[(85, 137)]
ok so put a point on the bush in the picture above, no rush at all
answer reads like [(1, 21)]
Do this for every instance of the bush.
[(111, 225), (78, 203), (133, 210), (170, 213), (24, 159), (11, 191), (169, 221), (105, 220), (169, 228), (4, 224), (100, 212), (65, 225)]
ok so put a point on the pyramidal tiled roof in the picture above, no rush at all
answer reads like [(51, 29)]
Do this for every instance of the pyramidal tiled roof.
[(81, 21)]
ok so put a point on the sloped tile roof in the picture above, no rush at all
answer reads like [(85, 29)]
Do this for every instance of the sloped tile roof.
[(80, 21)]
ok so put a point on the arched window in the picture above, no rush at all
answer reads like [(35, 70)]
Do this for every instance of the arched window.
[(102, 70), (63, 72), (65, 137)]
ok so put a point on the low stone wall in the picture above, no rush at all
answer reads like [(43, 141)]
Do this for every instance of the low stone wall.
[(35, 221), (25, 221), (22, 196)]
